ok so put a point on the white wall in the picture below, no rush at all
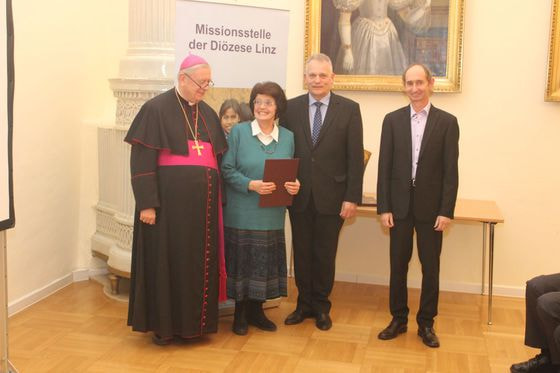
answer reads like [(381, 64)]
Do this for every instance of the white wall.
[(66, 51), (509, 137), (507, 149)]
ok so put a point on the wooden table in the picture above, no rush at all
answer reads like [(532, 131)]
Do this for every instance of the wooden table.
[(485, 212)]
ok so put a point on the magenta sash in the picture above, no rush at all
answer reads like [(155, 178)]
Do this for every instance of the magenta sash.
[(206, 159)]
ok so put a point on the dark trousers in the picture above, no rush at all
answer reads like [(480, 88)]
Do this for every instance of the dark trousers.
[(315, 241), (428, 242), (542, 306)]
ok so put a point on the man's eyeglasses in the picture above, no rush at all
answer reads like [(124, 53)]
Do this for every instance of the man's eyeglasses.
[(203, 85)]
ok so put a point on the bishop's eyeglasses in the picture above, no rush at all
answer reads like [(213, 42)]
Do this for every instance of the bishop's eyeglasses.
[(202, 85)]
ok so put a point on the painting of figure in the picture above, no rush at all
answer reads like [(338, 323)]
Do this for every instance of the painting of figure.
[(372, 41)]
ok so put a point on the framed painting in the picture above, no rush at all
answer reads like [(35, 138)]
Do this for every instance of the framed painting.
[(370, 42), (553, 81)]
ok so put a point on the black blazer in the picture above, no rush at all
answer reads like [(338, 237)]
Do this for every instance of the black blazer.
[(332, 170), (437, 176)]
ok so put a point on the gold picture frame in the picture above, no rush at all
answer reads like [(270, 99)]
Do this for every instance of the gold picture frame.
[(447, 54), (553, 81)]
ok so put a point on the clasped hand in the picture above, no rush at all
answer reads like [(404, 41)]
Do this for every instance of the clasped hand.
[(267, 187), (292, 187)]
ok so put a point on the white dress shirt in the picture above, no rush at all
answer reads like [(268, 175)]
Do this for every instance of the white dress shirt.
[(263, 137), (417, 127)]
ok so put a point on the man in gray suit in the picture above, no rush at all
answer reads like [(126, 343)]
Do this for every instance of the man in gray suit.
[(416, 191)]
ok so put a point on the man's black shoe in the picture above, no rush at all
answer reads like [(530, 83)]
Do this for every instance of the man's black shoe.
[(323, 321), (297, 317), (428, 336), (392, 331), (531, 365)]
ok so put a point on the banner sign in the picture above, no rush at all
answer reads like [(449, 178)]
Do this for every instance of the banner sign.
[(243, 45)]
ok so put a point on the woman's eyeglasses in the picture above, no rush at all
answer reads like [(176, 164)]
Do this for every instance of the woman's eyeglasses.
[(266, 103)]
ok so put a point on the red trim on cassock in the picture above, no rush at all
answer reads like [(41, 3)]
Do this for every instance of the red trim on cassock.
[(137, 141), (144, 174), (222, 294), (206, 254)]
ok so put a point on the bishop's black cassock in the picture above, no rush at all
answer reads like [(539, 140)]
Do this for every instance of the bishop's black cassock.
[(177, 266)]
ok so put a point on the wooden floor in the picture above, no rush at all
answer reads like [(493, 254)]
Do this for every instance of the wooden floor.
[(79, 329)]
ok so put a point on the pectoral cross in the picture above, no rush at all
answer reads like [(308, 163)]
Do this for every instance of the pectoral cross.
[(197, 147)]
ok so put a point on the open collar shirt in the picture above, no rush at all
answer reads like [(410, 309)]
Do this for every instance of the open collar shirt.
[(417, 126)]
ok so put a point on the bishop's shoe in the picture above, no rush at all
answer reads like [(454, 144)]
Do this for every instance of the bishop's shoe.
[(392, 330), (161, 341), (539, 363), (428, 335)]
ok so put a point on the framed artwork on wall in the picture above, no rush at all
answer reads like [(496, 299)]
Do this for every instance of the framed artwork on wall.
[(370, 42), (553, 81)]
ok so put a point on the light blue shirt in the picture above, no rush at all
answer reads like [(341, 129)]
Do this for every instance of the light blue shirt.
[(417, 126), (312, 108)]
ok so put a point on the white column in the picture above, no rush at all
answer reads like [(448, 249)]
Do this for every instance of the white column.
[(151, 37), (145, 71)]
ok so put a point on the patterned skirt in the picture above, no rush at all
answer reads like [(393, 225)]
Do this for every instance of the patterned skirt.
[(256, 264)]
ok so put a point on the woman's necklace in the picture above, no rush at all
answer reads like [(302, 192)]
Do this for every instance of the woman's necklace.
[(269, 149), (194, 133)]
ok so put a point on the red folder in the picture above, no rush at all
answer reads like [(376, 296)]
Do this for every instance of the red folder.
[(279, 171)]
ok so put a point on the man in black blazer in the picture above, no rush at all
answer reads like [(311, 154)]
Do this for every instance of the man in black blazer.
[(329, 143), (416, 191)]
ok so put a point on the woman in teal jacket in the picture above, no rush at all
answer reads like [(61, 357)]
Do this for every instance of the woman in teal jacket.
[(254, 236)]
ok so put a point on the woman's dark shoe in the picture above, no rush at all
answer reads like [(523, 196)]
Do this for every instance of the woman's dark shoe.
[(256, 316), (240, 326)]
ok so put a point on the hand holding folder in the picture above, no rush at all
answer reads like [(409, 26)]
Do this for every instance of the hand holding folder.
[(279, 171)]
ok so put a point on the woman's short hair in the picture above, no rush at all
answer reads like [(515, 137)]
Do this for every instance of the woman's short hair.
[(273, 90), (230, 103)]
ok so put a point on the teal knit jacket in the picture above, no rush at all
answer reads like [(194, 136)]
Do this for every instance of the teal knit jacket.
[(243, 162)]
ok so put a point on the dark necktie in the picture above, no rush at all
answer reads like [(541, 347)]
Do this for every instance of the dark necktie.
[(317, 122)]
